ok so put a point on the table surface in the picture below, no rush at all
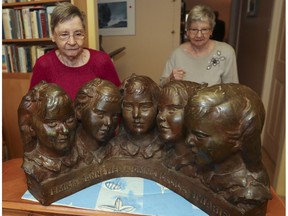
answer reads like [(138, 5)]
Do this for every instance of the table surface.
[(14, 186)]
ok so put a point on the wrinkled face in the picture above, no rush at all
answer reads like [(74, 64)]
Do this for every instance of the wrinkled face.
[(208, 136), (67, 36), (100, 120), (56, 129), (199, 33), (139, 113), (170, 118)]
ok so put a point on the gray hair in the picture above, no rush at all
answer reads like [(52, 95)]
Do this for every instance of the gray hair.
[(201, 13), (65, 11)]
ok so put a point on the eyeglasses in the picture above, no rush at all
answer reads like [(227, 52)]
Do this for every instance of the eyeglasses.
[(203, 31), (65, 36)]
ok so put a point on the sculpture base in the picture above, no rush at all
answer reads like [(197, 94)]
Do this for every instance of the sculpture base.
[(190, 188)]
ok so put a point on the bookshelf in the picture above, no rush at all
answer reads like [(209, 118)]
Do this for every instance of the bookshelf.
[(25, 33), (16, 84)]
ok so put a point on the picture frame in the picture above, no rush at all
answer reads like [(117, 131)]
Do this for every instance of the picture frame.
[(252, 6), (116, 17)]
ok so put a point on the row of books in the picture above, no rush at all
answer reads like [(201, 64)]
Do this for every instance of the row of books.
[(21, 59), (26, 22)]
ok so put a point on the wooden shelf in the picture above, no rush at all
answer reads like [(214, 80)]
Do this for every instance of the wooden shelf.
[(16, 75), (46, 2), (37, 40)]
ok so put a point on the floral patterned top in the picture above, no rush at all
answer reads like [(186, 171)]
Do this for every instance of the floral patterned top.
[(219, 66)]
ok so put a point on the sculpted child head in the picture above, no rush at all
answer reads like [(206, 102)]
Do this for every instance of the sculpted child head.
[(139, 105), (97, 106), (46, 120), (170, 119), (225, 119), (172, 101)]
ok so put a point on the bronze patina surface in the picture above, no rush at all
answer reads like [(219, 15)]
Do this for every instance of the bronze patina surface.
[(201, 142)]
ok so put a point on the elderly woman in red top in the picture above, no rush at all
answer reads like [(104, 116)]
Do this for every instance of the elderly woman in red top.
[(71, 65)]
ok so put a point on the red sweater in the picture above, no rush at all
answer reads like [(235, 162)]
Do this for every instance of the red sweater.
[(49, 68)]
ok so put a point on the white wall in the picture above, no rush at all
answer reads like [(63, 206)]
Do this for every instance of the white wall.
[(147, 51)]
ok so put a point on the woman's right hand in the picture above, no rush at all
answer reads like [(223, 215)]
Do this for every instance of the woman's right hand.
[(177, 74)]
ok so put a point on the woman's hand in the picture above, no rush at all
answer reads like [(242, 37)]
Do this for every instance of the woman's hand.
[(177, 74)]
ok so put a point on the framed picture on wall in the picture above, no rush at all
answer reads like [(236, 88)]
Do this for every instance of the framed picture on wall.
[(116, 17), (252, 8)]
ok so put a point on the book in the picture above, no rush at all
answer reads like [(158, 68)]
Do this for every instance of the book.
[(17, 23), (15, 58), (7, 23), (14, 23), (33, 54), (34, 25), (3, 34), (28, 54), (36, 20), (43, 23), (39, 51), (10, 58), (22, 59), (4, 59), (20, 24), (49, 10), (26, 22), (18, 59)]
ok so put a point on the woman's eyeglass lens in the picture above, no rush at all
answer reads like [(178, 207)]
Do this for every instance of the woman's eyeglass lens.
[(203, 31), (64, 36)]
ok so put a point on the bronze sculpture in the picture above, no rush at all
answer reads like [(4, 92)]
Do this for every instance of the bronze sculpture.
[(228, 149), (170, 120), (204, 143), (97, 107), (50, 122), (138, 136)]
